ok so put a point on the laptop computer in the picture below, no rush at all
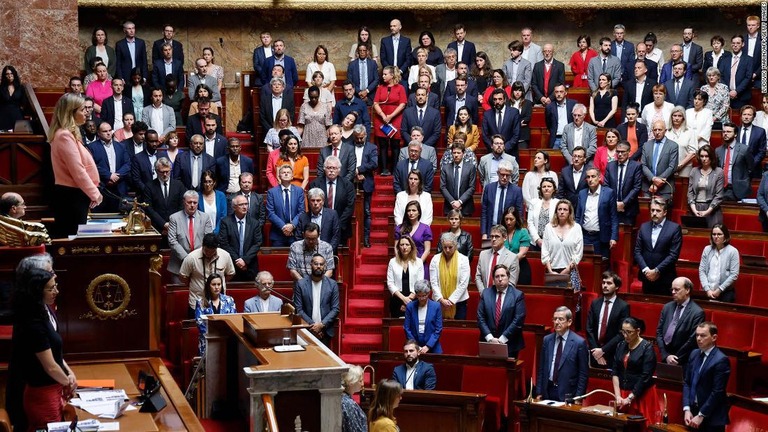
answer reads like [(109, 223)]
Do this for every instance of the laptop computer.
[(492, 350)]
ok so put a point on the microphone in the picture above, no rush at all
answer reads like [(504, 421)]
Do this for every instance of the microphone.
[(288, 305), (578, 398)]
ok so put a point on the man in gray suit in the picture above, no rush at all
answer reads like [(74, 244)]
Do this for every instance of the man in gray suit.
[(734, 158), (604, 63), (659, 162), (427, 152), (488, 166), (517, 68), (446, 71), (320, 315), (202, 77), (579, 133), (495, 255), (457, 183), (159, 116), (181, 224), (265, 301)]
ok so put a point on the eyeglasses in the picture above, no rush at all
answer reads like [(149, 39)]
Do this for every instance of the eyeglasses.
[(627, 332)]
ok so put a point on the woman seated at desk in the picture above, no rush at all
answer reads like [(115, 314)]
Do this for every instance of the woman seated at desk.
[(214, 302)]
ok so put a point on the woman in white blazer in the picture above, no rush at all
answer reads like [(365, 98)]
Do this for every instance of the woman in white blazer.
[(536, 221), (402, 273), (719, 266)]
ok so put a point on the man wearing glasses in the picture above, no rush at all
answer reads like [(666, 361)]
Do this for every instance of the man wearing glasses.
[(564, 363), (625, 177), (265, 301), (676, 333)]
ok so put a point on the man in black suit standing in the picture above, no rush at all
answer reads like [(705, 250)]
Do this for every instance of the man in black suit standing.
[(260, 56), (680, 88), (142, 165), (625, 176), (639, 89), (604, 320), (501, 312), (215, 142), (596, 213), (256, 202), (367, 161), (457, 183), (178, 48), (339, 193), (166, 65), (705, 402), (414, 161), (623, 50), (190, 165), (558, 114), (693, 54), (345, 153), (676, 332), (279, 98), (461, 98), (740, 84), (641, 53), (465, 50), (424, 116), (503, 120), (113, 107), (450, 88), (754, 138), (546, 74), (196, 122), (164, 195), (735, 160), (131, 52), (657, 249), (573, 177), (326, 218), (240, 235), (396, 49)]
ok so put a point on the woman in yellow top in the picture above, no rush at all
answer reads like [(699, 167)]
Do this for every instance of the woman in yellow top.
[(464, 124), (291, 154), (382, 412)]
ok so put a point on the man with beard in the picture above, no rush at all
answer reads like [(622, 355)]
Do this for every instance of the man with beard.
[(604, 321), (414, 374), (316, 297), (604, 63)]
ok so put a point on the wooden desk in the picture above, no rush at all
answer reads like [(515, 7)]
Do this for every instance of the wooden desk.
[(176, 416), (542, 418)]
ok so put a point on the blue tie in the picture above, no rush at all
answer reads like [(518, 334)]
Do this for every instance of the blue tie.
[(286, 207), (241, 236), (363, 75), (656, 150)]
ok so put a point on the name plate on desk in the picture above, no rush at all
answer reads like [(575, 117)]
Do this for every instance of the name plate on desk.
[(288, 348)]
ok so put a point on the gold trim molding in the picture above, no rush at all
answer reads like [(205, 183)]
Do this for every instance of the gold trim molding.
[(425, 5)]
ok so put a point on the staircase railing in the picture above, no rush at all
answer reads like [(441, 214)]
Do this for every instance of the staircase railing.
[(35, 105), (270, 418)]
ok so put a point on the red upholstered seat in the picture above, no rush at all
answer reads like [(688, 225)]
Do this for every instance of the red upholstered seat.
[(759, 294), (649, 313), (491, 381), (460, 341), (734, 329), (472, 302), (759, 341), (276, 264), (743, 419), (396, 338), (539, 308)]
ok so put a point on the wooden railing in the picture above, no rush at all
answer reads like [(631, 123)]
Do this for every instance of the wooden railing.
[(37, 108), (270, 418)]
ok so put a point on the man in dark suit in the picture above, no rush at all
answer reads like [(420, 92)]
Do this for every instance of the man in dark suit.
[(693, 54), (705, 402), (546, 74), (367, 162), (321, 317), (659, 162), (345, 153), (563, 362), (142, 165), (641, 53), (414, 161), (228, 180), (350, 103), (753, 46), (625, 176), (736, 162), (457, 183), (240, 235), (639, 89), (414, 374), (109, 107), (178, 48), (604, 320), (679, 87), (676, 332), (256, 202), (339, 193), (114, 165), (433, 99), (573, 177), (424, 116), (558, 114), (279, 98), (196, 122), (754, 138), (166, 65), (450, 87), (505, 327), (503, 120), (260, 55), (363, 74), (453, 102), (326, 218), (623, 49), (498, 197), (675, 56), (125, 61), (291, 74), (191, 165), (632, 130), (740, 84), (657, 252), (466, 51), (396, 49), (285, 202), (215, 142), (596, 213), (164, 196)]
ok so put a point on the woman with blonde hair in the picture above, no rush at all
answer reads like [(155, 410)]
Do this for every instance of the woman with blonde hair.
[(352, 416), (421, 55), (388, 105), (404, 269), (382, 413), (563, 243), (686, 141)]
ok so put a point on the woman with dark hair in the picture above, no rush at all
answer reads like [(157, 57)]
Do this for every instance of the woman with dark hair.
[(348, 127), (11, 99), (463, 237), (174, 98), (525, 107), (381, 415), (314, 119), (705, 187), (539, 170), (364, 38), (215, 301), (290, 154), (138, 92), (633, 368), (322, 64), (213, 70), (607, 152), (699, 118), (434, 54), (518, 242), (497, 80), (542, 211), (414, 191), (100, 48), (326, 97), (603, 103), (464, 124), (125, 132), (91, 71), (403, 271), (580, 60), (719, 266), (420, 233), (202, 91), (38, 348), (99, 89), (388, 105), (719, 58), (481, 72), (212, 201), (654, 53)]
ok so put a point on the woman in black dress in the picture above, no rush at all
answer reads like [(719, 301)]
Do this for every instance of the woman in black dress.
[(11, 98), (603, 103), (633, 368)]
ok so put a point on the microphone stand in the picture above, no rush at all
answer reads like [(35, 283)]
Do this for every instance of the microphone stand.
[(289, 305)]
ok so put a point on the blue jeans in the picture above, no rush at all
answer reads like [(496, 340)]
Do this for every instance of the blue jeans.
[(558, 143)]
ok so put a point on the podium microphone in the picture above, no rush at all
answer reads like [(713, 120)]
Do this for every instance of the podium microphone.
[(578, 398), (287, 304)]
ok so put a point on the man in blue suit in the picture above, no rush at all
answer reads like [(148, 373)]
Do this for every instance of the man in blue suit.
[(499, 196), (424, 116), (740, 84), (503, 120), (114, 165), (414, 374), (260, 55), (679, 87), (573, 178), (414, 161), (130, 52), (189, 166), (326, 218), (705, 403), (161, 66), (350, 103), (596, 213), (143, 164), (396, 49), (178, 48), (505, 327), (364, 74), (558, 114), (291, 74), (450, 86), (228, 180), (367, 162), (656, 253), (460, 98), (754, 138), (623, 49), (321, 316), (466, 51), (563, 362), (625, 177), (285, 202), (427, 338)]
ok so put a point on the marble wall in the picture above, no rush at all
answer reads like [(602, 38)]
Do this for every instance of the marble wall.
[(233, 35)]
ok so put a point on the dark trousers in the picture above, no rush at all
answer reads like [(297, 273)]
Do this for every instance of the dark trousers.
[(704, 427), (367, 196), (389, 150), (70, 209), (550, 392), (461, 310), (281, 241), (593, 238)]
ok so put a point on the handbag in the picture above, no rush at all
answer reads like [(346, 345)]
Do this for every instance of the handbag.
[(575, 279)]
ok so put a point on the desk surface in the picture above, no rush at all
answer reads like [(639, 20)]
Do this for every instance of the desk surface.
[(176, 416)]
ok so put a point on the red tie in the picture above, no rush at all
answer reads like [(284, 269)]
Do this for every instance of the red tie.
[(336, 151), (726, 165), (603, 322), (547, 74), (490, 272), (330, 195), (497, 316), (191, 234)]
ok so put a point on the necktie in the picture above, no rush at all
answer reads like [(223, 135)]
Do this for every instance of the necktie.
[(191, 228), (195, 171), (558, 355), (336, 152), (457, 179), (330, 195), (744, 134), (502, 199), (697, 375), (604, 65), (413, 165), (165, 190), (620, 185), (497, 314), (734, 66), (286, 206), (673, 325), (656, 150), (490, 279), (604, 322), (677, 88), (498, 121), (241, 235), (363, 75), (421, 115), (727, 166)]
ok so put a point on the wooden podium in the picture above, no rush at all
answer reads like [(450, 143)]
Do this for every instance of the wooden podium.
[(536, 417), (108, 295)]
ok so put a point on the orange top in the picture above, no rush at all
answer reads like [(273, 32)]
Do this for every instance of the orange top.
[(73, 164), (298, 168), (632, 138)]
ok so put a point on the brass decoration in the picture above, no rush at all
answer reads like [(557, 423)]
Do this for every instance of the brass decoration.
[(134, 222), (108, 249), (16, 232), (153, 248), (86, 250), (155, 264), (108, 297), (124, 249), (580, 17), (61, 251)]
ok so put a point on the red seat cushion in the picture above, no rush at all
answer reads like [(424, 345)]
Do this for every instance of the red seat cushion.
[(734, 329)]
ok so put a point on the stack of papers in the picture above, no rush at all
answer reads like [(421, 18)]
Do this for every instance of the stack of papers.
[(103, 403), (90, 425)]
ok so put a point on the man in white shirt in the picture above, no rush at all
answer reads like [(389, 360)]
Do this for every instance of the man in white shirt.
[(531, 51), (159, 116), (414, 374), (596, 213)]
